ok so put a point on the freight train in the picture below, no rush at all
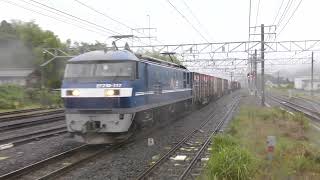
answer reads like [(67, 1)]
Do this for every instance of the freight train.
[(108, 95)]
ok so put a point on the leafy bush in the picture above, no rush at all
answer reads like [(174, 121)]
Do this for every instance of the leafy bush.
[(12, 97)]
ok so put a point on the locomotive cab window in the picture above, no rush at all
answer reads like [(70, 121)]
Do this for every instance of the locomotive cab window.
[(106, 70), (115, 69)]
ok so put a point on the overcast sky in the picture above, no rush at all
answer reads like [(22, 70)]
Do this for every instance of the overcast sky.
[(218, 20)]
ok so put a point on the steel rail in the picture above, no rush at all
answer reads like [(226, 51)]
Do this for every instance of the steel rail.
[(190, 134), (30, 114), (308, 112), (20, 111), (39, 164), (315, 105), (24, 138), (18, 125), (208, 140), (62, 170)]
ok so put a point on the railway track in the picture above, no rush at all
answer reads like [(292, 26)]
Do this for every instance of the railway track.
[(314, 104), (31, 136), (23, 123), (22, 114), (314, 115), (185, 157), (20, 111), (17, 131), (57, 165)]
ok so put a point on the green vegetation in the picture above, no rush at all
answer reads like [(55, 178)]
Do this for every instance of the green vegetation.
[(23, 44), (241, 153), (229, 160), (15, 97)]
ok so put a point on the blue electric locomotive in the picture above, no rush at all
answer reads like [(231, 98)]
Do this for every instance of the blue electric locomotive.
[(107, 94)]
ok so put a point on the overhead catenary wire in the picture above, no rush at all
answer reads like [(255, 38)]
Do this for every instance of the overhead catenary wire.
[(81, 19), (278, 12), (52, 17), (257, 13), (185, 18), (196, 18), (75, 17), (107, 16), (104, 31), (290, 17), (286, 10)]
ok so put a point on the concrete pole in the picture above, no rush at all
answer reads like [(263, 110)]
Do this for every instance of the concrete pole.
[(312, 73), (278, 79), (262, 66), (149, 19), (255, 73)]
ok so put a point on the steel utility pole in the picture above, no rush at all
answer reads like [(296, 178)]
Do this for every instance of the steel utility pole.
[(255, 73), (312, 73), (262, 66)]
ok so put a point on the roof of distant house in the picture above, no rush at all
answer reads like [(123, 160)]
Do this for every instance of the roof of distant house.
[(15, 72)]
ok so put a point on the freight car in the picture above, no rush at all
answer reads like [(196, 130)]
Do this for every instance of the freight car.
[(109, 94)]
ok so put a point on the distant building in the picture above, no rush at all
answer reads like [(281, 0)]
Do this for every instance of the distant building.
[(304, 83), (18, 76), (270, 84)]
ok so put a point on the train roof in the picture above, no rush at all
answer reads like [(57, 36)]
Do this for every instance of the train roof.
[(119, 55), (105, 55)]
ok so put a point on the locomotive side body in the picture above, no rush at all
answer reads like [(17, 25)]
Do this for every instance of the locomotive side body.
[(106, 95)]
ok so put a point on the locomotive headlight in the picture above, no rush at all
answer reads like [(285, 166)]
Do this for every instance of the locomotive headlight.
[(75, 92), (111, 92)]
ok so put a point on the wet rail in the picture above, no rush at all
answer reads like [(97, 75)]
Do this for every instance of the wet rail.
[(17, 115), (58, 165), (181, 160), (18, 124), (314, 115), (18, 139)]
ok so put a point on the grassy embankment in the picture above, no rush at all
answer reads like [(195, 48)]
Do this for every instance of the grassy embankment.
[(241, 152), (15, 97)]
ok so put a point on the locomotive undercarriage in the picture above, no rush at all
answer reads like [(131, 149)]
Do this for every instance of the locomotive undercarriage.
[(104, 128)]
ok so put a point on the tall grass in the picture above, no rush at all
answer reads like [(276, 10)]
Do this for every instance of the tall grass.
[(230, 161), (241, 153)]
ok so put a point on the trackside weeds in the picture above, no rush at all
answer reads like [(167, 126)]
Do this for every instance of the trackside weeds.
[(241, 152)]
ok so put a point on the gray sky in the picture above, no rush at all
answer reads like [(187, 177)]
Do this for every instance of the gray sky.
[(223, 20)]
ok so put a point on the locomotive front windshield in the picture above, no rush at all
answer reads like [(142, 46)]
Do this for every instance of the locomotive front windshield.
[(106, 70)]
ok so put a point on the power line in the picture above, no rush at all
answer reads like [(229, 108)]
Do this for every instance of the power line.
[(257, 13), (52, 17), (75, 17), (83, 20), (278, 12), (188, 21), (107, 16), (290, 17), (195, 17), (103, 14), (62, 15), (286, 10)]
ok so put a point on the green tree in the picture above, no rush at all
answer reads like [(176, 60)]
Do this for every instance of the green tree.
[(35, 39)]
